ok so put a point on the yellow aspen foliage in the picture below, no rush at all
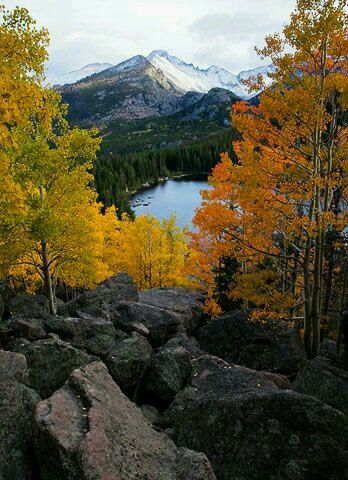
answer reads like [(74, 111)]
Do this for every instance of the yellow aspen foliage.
[(22, 57), (153, 252)]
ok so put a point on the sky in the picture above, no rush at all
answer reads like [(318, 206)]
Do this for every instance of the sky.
[(204, 32)]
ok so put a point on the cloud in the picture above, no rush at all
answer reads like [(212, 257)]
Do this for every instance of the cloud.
[(237, 26), (228, 39), (221, 32)]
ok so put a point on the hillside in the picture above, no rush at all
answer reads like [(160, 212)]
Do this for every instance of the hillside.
[(139, 110), (133, 384)]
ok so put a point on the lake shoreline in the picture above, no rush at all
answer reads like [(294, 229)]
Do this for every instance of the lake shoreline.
[(178, 176), (180, 195)]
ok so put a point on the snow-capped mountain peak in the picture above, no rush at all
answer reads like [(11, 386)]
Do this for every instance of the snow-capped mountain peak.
[(133, 62), (184, 76), (187, 77)]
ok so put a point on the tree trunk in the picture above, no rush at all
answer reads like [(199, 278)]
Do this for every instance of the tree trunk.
[(46, 268), (307, 303), (316, 300), (47, 277)]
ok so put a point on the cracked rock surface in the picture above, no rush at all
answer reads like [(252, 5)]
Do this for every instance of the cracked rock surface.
[(90, 430)]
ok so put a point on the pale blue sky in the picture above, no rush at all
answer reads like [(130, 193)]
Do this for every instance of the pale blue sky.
[(205, 32)]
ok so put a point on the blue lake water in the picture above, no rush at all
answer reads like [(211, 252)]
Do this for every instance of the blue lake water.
[(181, 196)]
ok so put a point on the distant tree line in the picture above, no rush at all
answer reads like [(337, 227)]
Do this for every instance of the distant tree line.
[(118, 175)]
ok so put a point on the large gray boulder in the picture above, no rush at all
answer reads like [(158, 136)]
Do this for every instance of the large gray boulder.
[(13, 366), (272, 346), (94, 334), (128, 359), (169, 370), (27, 327), (251, 428), (162, 324), (29, 306), (105, 297), (90, 430), (187, 303), (50, 362), (17, 405), (323, 379), (328, 349)]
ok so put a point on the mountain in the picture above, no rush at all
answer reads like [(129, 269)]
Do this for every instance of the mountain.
[(212, 106), (133, 89), (155, 101), (202, 116), (184, 76), (188, 77), (76, 75)]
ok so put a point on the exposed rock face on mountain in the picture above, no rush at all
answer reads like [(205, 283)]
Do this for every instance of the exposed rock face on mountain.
[(185, 76), (188, 77), (154, 86), (103, 435), (248, 424), (216, 101), (134, 89)]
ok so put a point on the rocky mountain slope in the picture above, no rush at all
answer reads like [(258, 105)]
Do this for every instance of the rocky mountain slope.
[(159, 86), (124, 385), (133, 89), (185, 76)]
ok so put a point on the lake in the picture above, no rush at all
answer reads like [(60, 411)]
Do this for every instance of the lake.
[(179, 196)]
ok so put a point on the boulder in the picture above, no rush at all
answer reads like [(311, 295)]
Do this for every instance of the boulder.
[(90, 430), (7, 335), (136, 327), (105, 297), (30, 328), (128, 359), (251, 428), (50, 362), (188, 343), (169, 369), (323, 379), (13, 366), (162, 324), (82, 331), (29, 306), (96, 325), (99, 344), (152, 414), (273, 346), (328, 349), (187, 303), (123, 285), (17, 405)]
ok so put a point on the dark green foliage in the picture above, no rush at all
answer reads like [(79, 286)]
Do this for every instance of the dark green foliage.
[(117, 175)]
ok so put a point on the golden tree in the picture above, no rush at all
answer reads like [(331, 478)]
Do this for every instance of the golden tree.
[(282, 204), (151, 251), (50, 223), (22, 57)]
